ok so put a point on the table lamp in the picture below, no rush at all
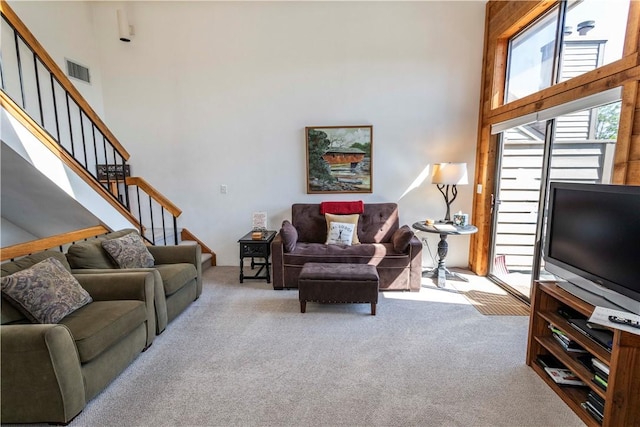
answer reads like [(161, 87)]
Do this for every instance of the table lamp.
[(446, 176)]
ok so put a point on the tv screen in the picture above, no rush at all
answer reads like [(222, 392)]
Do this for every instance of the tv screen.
[(593, 234)]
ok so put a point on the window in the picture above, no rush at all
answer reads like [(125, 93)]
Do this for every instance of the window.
[(592, 36)]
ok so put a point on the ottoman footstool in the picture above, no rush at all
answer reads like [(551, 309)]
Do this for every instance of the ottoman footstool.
[(338, 283)]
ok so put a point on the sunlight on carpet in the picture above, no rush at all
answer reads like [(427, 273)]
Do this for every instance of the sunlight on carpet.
[(487, 297), (496, 304)]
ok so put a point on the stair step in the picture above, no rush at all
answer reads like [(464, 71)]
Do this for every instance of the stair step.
[(205, 258)]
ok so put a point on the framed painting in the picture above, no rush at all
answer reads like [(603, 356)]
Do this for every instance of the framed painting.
[(339, 159)]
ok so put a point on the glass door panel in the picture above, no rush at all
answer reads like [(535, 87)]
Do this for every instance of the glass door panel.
[(516, 201), (583, 149)]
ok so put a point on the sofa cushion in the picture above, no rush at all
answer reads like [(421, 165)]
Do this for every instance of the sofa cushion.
[(175, 276), (129, 251), (289, 236), (90, 253), (10, 314), (45, 292), (376, 225), (401, 238), (350, 219), (382, 255), (340, 233), (99, 325)]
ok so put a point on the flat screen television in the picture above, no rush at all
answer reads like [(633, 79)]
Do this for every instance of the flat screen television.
[(592, 241)]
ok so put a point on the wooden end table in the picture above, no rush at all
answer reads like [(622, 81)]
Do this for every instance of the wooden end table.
[(256, 248)]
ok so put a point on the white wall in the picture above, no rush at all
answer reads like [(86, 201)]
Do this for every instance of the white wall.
[(65, 29), (13, 234), (212, 93)]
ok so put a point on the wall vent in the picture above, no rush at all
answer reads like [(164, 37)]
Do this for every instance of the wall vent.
[(78, 71)]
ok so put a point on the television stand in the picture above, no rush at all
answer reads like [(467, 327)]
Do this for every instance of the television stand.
[(622, 395)]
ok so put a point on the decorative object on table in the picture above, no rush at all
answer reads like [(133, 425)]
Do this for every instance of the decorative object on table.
[(339, 159), (460, 219), (259, 221), (447, 176)]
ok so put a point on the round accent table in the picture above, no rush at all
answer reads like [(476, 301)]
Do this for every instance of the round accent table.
[(444, 230)]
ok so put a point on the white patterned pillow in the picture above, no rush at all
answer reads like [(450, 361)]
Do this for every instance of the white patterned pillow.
[(129, 251), (45, 292), (340, 233)]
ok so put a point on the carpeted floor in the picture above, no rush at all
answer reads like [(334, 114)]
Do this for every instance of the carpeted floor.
[(243, 355)]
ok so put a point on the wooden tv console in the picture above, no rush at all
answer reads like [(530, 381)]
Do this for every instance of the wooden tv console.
[(622, 397)]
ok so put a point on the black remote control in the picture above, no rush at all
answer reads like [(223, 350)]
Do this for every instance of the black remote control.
[(623, 321)]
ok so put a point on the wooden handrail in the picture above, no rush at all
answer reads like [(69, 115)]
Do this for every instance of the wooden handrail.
[(22, 249), (154, 194), (30, 39), (19, 114), (187, 235)]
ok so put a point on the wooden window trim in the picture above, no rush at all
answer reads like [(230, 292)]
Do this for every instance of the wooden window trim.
[(504, 19)]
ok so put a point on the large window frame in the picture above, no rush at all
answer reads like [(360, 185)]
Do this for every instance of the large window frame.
[(504, 19)]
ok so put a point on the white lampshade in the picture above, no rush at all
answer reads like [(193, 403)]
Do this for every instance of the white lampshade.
[(450, 174)]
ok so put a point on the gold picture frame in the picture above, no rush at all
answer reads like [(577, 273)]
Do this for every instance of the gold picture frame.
[(339, 159)]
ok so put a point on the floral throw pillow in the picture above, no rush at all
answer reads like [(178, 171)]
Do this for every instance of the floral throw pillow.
[(45, 292), (129, 251)]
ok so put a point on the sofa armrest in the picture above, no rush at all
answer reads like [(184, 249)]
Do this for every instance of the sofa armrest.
[(277, 262), (415, 269), (191, 254), (41, 376), (125, 285)]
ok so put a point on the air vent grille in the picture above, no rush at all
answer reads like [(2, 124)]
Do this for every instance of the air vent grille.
[(78, 71)]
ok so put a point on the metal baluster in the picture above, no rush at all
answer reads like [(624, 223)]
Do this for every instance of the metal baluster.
[(95, 146), (126, 186), (164, 229), (73, 150), (84, 141), (35, 67), (15, 36), (106, 162), (115, 174), (175, 229), (139, 212), (153, 231), (55, 106)]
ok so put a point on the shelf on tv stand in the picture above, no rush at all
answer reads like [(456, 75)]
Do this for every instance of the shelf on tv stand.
[(622, 397)]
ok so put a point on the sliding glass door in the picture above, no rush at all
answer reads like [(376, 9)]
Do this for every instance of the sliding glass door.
[(576, 146)]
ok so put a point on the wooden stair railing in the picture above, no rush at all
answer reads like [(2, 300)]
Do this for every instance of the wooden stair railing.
[(145, 211), (105, 150), (187, 235), (57, 241)]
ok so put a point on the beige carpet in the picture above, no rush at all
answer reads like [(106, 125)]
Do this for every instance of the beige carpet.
[(244, 355)]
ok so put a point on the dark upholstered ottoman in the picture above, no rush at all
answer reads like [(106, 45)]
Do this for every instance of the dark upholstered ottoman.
[(338, 282)]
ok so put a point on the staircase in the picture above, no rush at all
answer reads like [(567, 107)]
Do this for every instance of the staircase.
[(37, 97)]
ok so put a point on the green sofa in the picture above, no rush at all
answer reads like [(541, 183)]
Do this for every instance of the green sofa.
[(177, 272), (50, 371)]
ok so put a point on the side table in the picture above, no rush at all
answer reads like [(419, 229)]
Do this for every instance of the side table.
[(441, 271), (256, 248)]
